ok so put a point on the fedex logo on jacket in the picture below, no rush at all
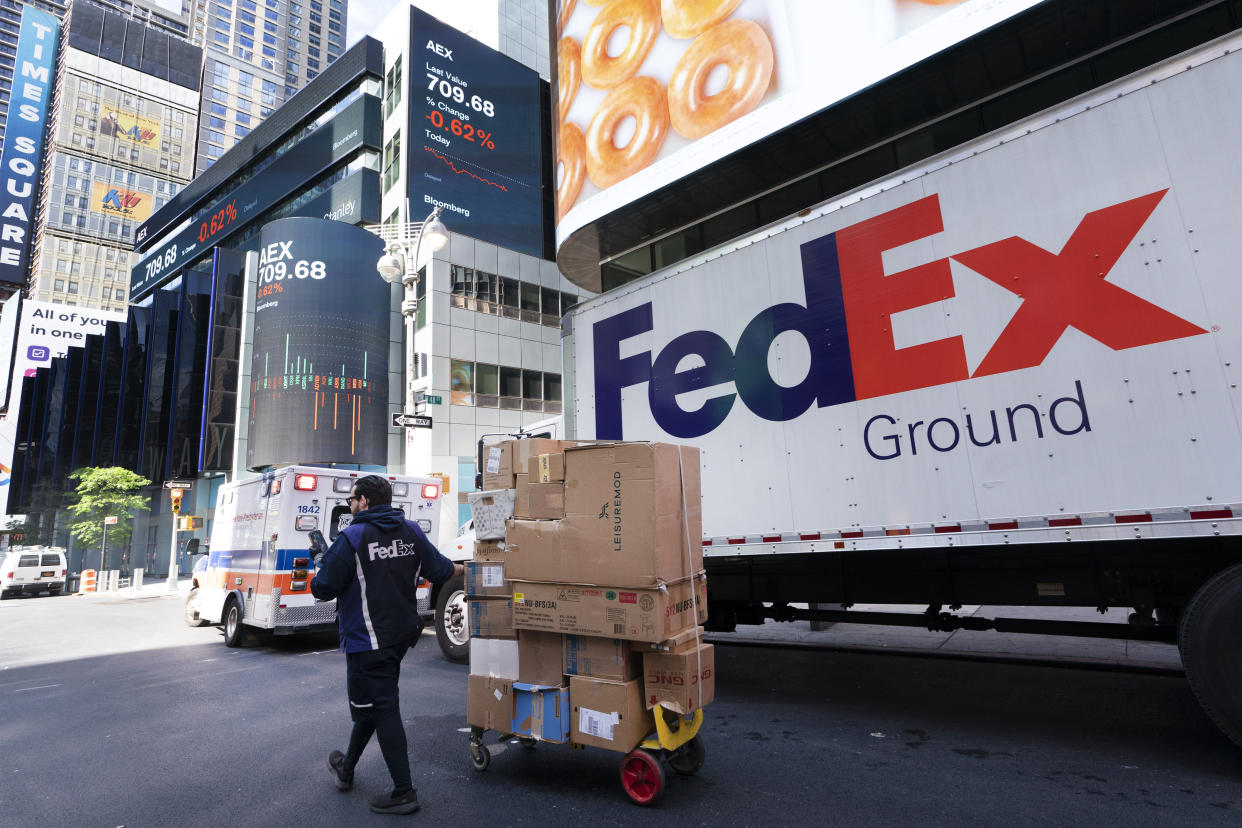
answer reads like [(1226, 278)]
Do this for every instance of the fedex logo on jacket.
[(846, 321)]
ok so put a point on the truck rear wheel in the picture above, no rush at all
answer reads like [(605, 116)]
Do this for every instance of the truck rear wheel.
[(1211, 649), (233, 623), (452, 629)]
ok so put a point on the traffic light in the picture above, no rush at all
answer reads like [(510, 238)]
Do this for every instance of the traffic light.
[(174, 496)]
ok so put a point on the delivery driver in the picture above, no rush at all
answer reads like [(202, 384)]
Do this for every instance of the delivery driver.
[(372, 569)]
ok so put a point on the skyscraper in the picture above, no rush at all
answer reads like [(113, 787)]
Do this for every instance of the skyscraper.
[(11, 12), (120, 143), (257, 54)]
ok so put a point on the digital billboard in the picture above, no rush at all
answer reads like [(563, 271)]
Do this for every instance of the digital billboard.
[(319, 369), (644, 99), (20, 164), (474, 147)]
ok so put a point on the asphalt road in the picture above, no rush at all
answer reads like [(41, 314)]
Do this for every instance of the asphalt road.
[(117, 714)]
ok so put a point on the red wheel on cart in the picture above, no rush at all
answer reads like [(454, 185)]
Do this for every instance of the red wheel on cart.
[(642, 777)]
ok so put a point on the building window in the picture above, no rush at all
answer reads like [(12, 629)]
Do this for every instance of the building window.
[(392, 162), (73, 287), (58, 284)]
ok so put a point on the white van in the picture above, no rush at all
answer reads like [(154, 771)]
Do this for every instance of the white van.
[(259, 565), (32, 570)]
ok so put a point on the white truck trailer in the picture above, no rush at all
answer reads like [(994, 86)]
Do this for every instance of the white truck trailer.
[(1007, 376)]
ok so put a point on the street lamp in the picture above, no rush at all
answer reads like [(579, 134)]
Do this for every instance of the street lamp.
[(400, 264)]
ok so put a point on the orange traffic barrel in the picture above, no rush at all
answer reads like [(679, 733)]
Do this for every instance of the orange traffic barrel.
[(88, 581)]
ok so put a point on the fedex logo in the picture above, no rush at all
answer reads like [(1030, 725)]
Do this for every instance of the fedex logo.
[(846, 321)]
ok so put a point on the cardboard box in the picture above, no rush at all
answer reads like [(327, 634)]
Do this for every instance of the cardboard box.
[(491, 508), (541, 712), (546, 468), (546, 501), (491, 618), (677, 643), (539, 657), (494, 657), (655, 614), (623, 522), (521, 497), (486, 579), (683, 682), (608, 714), (489, 702), (498, 466), (524, 450), (603, 658), (489, 550)]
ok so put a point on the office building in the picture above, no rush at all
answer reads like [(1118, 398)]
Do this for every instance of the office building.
[(257, 55), (120, 143)]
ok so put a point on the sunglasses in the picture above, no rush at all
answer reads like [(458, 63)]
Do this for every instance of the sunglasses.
[(354, 497)]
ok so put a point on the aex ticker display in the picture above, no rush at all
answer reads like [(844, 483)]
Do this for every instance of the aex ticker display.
[(474, 146)]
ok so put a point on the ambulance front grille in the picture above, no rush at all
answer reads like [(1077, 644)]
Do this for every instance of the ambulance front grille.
[(424, 603)]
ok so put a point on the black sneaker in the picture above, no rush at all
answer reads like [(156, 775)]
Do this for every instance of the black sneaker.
[(394, 803), (336, 762)]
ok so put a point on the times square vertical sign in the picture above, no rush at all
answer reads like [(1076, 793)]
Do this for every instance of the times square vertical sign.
[(23, 139)]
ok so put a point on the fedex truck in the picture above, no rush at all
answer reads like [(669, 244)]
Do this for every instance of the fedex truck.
[(1008, 376)]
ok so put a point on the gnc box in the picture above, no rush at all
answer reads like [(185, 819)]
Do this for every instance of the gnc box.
[(608, 714), (489, 550), (545, 501), (491, 618), (541, 712), (490, 509), (604, 658), (489, 702), (539, 657), (521, 496), (682, 681), (498, 466), (623, 521), (653, 615), (486, 579), (494, 657), (546, 468)]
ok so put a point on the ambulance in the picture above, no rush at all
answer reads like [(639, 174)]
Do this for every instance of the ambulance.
[(259, 566)]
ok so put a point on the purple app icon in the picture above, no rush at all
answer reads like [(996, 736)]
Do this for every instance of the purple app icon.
[(38, 353)]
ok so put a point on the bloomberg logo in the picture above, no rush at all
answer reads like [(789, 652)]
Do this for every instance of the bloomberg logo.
[(846, 322)]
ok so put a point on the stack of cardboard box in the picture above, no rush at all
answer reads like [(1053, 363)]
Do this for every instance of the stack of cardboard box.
[(603, 563)]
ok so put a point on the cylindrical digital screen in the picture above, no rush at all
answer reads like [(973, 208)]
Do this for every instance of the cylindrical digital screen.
[(319, 372)]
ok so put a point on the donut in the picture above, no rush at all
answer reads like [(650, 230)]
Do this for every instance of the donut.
[(568, 74), (571, 164), (564, 11), (690, 18), (645, 100), (642, 17), (744, 48)]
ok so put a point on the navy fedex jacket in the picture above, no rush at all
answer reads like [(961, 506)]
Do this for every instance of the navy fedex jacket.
[(372, 569)]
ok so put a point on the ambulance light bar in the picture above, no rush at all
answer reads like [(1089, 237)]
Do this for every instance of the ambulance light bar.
[(305, 482), (430, 491), (301, 562)]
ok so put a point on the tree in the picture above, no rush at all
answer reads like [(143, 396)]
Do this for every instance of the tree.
[(104, 492)]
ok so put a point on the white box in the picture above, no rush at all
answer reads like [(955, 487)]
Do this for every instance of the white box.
[(494, 657), (490, 509)]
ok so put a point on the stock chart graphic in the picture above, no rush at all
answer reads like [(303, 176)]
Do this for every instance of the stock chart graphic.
[(319, 371)]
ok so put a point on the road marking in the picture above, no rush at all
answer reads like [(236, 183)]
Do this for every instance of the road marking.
[(40, 687), (197, 678)]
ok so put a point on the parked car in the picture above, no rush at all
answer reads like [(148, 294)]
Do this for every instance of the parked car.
[(32, 570)]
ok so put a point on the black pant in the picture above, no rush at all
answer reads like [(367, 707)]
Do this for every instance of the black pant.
[(371, 679)]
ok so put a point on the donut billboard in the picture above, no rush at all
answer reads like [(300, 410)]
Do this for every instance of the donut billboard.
[(648, 91)]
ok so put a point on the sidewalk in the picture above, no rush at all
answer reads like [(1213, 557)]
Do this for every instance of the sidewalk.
[(981, 644), (986, 644)]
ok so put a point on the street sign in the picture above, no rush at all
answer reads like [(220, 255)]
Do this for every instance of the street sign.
[(410, 421), (430, 399), (110, 520), (178, 484)]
